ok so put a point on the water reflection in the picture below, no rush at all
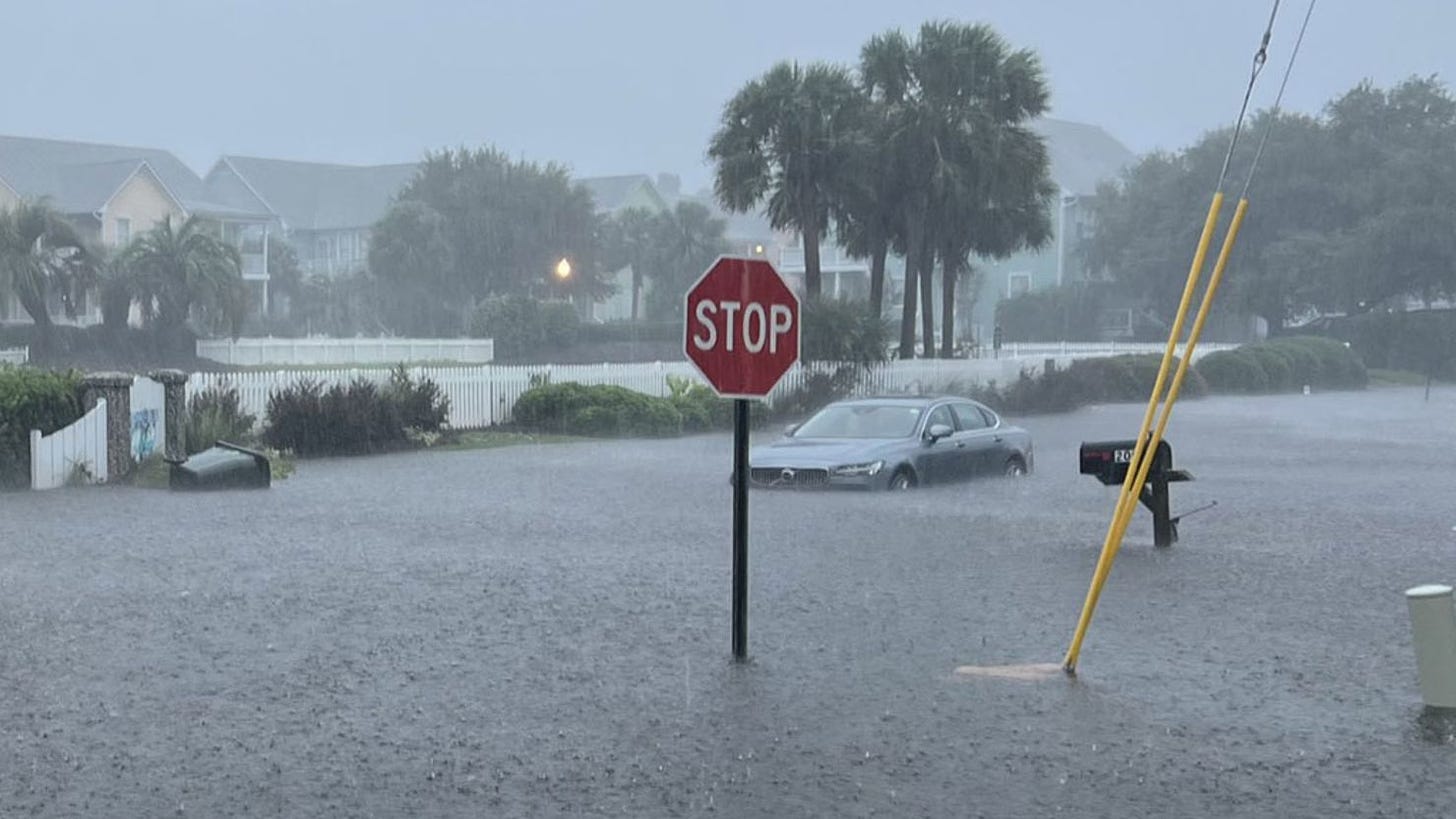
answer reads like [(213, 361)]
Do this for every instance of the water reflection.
[(1437, 726)]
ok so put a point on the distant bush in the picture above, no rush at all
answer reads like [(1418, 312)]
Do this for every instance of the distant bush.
[(1067, 313), (631, 331), (520, 325), (1283, 364), (597, 410), (359, 417), (216, 414), (1233, 371), (32, 399), (1114, 379), (821, 384)]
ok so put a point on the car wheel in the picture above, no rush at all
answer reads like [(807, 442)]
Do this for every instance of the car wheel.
[(1015, 467), (902, 480)]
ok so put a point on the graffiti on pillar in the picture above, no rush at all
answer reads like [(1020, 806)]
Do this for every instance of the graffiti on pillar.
[(143, 433)]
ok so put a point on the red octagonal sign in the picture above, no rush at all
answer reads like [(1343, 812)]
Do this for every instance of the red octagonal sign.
[(742, 327)]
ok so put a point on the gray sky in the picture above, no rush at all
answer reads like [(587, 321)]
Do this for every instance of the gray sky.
[(626, 86)]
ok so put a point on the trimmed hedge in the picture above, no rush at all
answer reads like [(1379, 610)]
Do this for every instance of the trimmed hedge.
[(360, 417), (597, 410), (1113, 379), (32, 399), (1284, 364)]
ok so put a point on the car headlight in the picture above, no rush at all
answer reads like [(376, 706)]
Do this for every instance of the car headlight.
[(856, 470)]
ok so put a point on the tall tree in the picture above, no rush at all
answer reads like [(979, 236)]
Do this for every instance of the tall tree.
[(42, 255), (176, 269), (784, 144), (630, 240), (689, 237), (958, 98), (504, 225), (1348, 211)]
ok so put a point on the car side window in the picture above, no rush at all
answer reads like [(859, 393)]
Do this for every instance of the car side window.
[(970, 417), (940, 415), (991, 419)]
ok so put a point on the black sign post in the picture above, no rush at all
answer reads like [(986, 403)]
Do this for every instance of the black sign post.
[(740, 529)]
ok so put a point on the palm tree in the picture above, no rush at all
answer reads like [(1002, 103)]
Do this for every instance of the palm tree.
[(687, 239), (786, 138), (958, 99), (176, 269), (43, 255)]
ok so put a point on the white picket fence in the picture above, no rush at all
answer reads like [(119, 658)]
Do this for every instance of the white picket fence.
[(18, 355), (483, 396), (76, 452), (345, 351)]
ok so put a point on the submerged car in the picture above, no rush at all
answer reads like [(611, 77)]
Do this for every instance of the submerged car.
[(892, 443)]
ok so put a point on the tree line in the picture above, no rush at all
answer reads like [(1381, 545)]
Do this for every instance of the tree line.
[(1352, 211), (923, 149)]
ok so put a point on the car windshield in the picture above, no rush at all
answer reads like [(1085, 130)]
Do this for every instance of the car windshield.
[(861, 421)]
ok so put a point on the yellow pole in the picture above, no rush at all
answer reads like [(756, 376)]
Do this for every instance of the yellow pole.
[(1167, 410), (1121, 522), (1123, 510)]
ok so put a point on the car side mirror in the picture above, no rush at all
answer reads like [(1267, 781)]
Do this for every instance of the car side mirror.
[(938, 431)]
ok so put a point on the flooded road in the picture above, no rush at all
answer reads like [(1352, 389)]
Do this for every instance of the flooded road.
[(543, 630)]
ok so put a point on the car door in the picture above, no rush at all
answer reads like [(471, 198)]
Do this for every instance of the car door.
[(938, 460), (975, 439)]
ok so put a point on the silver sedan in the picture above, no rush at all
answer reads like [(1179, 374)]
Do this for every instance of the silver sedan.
[(893, 443)]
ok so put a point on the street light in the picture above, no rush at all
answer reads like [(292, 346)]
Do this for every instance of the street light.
[(563, 269)]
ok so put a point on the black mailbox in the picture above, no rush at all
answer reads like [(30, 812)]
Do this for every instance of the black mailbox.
[(1109, 462)]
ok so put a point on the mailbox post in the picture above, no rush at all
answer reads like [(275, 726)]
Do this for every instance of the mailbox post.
[(1110, 461)]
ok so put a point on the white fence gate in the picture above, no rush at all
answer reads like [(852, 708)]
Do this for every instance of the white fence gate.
[(76, 453), (148, 417)]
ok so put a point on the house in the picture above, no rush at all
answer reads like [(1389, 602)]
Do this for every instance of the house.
[(113, 193), (325, 211), (1082, 157)]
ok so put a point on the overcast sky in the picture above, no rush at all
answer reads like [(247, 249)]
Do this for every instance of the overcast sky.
[(631, 85)]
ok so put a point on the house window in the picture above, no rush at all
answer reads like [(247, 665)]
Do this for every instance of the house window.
[(123, 232), (1017, 284)]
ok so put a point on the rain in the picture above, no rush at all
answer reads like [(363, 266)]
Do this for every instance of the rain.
[(415, 410)]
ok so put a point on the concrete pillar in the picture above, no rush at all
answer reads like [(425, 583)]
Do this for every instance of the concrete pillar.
[(116, 389), (174, 387)]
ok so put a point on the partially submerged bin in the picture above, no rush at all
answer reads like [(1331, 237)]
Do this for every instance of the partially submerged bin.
[(224, 466)]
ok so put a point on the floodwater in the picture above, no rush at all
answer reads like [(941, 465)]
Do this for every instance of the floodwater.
[(544, 630)]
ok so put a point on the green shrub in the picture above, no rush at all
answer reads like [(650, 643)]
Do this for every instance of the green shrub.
[(32, 399), (355, 418), (631, 331), (1067, 313), (422, 406), (1287, 363), (821, 385), (1233, 371), (598, 410), (519, 325), (1278, 373), (701, 408), (216, 414)]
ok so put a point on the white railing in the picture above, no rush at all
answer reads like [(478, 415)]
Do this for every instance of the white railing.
[(483, 396), (310, 351), (74, 454), (148, 417), (18, 355), (1091, 349)]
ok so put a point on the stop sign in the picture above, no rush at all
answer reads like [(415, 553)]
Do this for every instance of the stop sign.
[(742, 328)]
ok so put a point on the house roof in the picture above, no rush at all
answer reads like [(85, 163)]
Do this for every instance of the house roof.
[(612, 193), (1082, 155), (81, 177), (312, 195)]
